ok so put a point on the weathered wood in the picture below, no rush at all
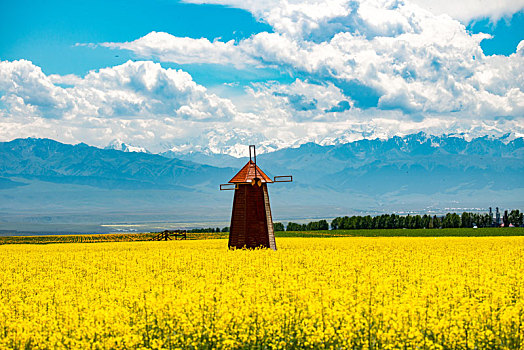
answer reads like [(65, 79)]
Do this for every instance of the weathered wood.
[(167, 234), (270, 229), (251, 221)]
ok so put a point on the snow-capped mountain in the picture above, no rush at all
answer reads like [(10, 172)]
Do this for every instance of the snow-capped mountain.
[(426, 149), (416, 172), (124, 147), (235, 146)]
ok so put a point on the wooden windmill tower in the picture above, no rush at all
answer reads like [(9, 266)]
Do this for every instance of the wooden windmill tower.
[(251, 221)]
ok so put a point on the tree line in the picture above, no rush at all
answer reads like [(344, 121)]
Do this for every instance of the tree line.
[(392, 221), (208, 229), (385, 221), (311, 226)]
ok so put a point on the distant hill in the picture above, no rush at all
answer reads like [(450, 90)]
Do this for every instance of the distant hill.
[(366, 151), (414, 162), (51, 161), (43, 181)]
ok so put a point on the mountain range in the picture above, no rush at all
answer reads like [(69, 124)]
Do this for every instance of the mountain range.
[(46, 182)]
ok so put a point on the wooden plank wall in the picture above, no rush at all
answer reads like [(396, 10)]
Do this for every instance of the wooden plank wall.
[(269, 219), (251, 218)]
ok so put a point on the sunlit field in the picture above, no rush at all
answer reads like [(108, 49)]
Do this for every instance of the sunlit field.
[(349, 293), (133, 237)]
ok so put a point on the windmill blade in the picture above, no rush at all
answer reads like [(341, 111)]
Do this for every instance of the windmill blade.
[(283, 178), (228, 187)]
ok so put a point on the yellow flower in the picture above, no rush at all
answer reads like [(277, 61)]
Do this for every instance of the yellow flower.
[(338, 293)]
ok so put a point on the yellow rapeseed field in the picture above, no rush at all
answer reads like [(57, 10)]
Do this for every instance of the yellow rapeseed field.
[(339, 293)]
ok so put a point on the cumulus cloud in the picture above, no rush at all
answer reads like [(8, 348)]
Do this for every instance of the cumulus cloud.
[(123, 102), (465, 10), (300, 101), (468, 10), (169, 48), (374, 68), (388, 54), (133, 89), (138, 102)]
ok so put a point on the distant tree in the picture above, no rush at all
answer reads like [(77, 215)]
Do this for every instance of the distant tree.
[(344, 223), (408, 221), (505, 219), (278, 226), (358, 222), (323, 225), (417, 221), (516, 218), (487, 220), (437, 222), (446, 221), (401, 222), (225, 229), (394, 221), (335, 224), (374, 222), (455, 220), (473, 219), (451, 220), (465, 220), (353, 222), (368, 222), (387, 222), (292, 226), (426, 220), (317, 225), (382, 221)]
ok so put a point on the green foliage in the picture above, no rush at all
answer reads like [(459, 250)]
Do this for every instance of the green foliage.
[(505, 219), (317, 225), (393, 221), (293, 226), (451, 221), (202, 230), (311, 226), (278, 226), (516, 218)]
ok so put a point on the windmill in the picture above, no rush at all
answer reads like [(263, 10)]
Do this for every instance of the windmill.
[(251, 221)]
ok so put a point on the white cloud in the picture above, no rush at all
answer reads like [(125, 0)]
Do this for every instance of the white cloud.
[(292, 17), (468, 10), (311, 11), (402, 56), (117, 103), (27, 91), (169, 48), (298, 102), (133, 89), (362, 69)]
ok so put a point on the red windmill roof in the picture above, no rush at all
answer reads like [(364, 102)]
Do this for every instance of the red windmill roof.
[(247, 173)]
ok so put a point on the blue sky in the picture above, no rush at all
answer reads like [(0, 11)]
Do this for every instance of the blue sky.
[(46, 32), (37, 31), (506, 32), (276, 73)]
